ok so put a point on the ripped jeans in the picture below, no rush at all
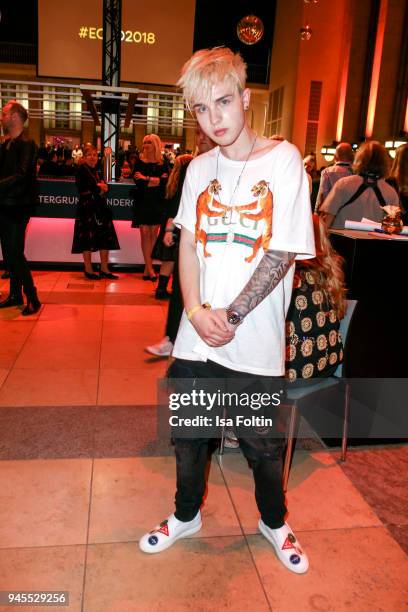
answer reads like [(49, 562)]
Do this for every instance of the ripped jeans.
[(263, 454)]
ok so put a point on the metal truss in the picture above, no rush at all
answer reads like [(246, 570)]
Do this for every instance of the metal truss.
[(111, 47)]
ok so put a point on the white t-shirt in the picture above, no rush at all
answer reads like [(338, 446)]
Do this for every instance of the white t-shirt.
[(230, 255)]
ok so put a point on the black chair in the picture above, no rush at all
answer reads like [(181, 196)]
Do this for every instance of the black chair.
[(295, 396)]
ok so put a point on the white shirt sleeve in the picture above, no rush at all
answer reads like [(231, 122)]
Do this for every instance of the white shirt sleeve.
[(292, 227)]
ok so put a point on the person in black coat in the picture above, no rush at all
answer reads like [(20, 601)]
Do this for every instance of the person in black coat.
[(94, 229), (18, 193)]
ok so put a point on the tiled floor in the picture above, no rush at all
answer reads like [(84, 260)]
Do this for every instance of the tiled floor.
[(82, 477)]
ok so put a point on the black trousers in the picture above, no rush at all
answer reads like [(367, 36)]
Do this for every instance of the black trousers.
[(175, 306), (5, 264), (12, 233), (263, 454)]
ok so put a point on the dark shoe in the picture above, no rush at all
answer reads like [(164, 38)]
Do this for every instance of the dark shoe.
[(162, 294), (33, 304), (108, 275), (146, 277), (31, 308), (91, 275), (153, 278), (161, 291), (12, 300), (5, 274)]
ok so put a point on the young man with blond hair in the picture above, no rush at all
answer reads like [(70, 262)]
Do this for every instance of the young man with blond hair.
[(245, 217)]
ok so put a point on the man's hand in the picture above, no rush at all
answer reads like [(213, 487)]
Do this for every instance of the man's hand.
[(221, 313), (211, 328)]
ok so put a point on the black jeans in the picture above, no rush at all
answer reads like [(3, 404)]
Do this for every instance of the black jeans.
[(12, 232), (263, 454), (175, 306)]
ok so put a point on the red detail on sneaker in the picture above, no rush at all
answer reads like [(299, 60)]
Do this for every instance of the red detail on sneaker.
[(287, 544), (164, 528)]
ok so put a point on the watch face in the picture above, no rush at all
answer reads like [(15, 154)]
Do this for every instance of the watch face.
[(233, 317)]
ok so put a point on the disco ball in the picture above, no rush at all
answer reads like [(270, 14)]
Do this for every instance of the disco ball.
[(306, 33), (250, 30)]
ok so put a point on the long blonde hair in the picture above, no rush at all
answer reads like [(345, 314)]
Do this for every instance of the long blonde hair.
[(157, 143), (172, 183), (327, 269)]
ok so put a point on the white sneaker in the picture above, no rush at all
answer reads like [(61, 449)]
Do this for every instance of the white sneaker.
[(286, 547), (169, 531), (162, 349)]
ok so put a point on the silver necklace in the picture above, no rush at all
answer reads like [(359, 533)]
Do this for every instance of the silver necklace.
[(242, 171), (231, 209)]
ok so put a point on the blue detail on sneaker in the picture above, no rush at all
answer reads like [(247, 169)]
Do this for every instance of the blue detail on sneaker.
[(169, 531), (295, 559)]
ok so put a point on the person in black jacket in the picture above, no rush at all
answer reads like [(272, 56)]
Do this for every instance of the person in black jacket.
[(18, 160)]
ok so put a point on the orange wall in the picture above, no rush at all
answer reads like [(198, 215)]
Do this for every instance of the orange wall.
[(295, 63), (285, 57), (389, 69), (321, 59)]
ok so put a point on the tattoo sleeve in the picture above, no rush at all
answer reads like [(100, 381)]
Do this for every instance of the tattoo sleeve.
[(270, 270)]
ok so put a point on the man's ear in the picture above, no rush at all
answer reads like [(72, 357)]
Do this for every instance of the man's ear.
[(246, 97)]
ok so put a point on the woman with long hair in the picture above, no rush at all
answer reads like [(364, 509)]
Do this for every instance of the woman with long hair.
[(150, 174), (314, 347), (399, 178), (313, 344), (165, 248), (94, 229)]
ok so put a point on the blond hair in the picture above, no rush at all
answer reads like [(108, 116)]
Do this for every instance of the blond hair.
[(208, 67), (399, 168), (327, 269), (157, 144)]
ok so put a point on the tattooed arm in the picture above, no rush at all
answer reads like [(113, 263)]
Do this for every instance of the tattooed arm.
[(270, 270)]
